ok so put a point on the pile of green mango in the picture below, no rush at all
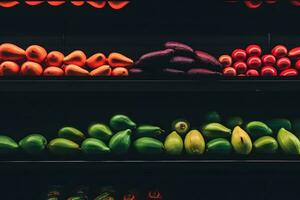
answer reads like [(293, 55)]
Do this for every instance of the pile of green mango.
[(121, 135), (118, 137)]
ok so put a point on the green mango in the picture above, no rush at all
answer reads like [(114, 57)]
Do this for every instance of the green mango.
[(71, 133), (219, 146), (94, 146), (241, 142), (288, 142), (173, 144), (121, 122), (62, 146), (7, 145), (257, 129), (212, 117), (150, 146), (216, 130), (276, 124), (265, 144), (33, 144), (100, 131), (181, 126), (120, 142), (233, 122), (149, 131), (194, 143)]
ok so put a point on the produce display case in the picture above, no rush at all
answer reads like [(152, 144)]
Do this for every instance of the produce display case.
[(43, 105)]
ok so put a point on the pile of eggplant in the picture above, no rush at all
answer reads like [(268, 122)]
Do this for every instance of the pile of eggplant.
[(177, 59)]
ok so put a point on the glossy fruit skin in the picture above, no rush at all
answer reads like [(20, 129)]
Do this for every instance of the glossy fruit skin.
[(257, 129), (104, 70), (55, 59), (219, 146), (241, 142), (289, 72), (11, 52), (36, 53), (265, 144), (268, 60), (77, 58), (120, 142), (53, 71), (63, 147), (288, 142), (94, 146), (277, 124), (120, 71), (149, 131), (225, 60), (194, 143), (9, 68), (279, 51), (240, 67), (7, 145), (173, 144), (254, 50), (283, 63), (268, 71), (121, 122), (74, 70), (216, 130), (72, 134), (181, 126), (100, 131), (33, 144), (149, 146), (229, 71), (31, 69), (254, 62), (119, 60), (252, 72), (116, 5), (239, 55)]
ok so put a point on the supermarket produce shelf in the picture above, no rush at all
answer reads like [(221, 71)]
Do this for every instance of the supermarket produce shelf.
[(203, 84)]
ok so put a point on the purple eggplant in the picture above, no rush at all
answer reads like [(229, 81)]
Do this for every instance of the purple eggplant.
[(170, 71), (138, 72), (155, 59), (177, 46), (182, 63), (207, 61), (199, 71)]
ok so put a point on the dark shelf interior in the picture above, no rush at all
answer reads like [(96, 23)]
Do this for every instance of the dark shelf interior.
[(150, 84), (176, 181)]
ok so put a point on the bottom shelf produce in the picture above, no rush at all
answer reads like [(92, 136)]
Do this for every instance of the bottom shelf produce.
[(101, 193), (216, 138)]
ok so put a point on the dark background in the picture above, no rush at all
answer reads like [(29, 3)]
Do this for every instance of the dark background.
[(143, 26)]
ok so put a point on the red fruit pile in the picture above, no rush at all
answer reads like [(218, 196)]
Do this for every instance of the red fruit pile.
[(35, 61), (258, 3), (252, 62), (96, 4)]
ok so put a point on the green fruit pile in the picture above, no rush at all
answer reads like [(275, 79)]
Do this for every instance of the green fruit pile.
[(123, 135)]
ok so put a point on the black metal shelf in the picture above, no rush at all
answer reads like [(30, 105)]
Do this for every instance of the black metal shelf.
[(202, 84)]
